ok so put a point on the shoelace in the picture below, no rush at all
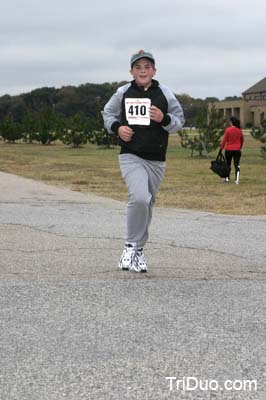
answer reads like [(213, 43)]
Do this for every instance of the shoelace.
[(129, 253), (141, 260)]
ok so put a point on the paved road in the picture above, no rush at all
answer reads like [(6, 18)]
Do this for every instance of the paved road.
[(74, 327)]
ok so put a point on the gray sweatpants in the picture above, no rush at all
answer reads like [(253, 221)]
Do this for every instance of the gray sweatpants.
[(143, 178)]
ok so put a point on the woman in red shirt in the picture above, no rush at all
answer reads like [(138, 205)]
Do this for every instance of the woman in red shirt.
[(232, 142)]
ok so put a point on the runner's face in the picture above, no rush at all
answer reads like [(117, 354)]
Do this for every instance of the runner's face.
[(143, 71)]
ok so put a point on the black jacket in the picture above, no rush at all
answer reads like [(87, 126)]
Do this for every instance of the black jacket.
[(149, 141)]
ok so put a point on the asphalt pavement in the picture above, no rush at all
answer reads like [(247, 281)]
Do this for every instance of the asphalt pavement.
[(73, 326)]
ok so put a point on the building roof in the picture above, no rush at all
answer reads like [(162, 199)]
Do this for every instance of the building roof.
[(258, 87)]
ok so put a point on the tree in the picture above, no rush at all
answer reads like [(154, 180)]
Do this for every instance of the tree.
[(96, 132), (191, 107), (102, 138), (73, 132), (260, 134), (10, 130), (208, 136), (47, 126), (39, 98), (29, 127), (211, 99), (230, 98)]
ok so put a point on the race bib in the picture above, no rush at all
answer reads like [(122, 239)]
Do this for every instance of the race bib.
[(138, 111)]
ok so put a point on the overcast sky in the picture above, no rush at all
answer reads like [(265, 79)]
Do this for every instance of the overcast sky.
[(202, 47)]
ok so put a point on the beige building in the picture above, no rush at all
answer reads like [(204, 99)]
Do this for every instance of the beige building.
[(250, 110)]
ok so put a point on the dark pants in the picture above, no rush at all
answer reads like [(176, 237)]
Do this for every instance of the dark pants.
[(235, 155)]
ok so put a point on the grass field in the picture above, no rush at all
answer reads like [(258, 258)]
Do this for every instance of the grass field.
[(189, 183)]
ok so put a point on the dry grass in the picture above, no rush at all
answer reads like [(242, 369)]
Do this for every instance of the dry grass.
[(188, 184)]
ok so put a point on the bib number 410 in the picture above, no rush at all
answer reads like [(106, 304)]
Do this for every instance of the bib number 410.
[(138, 111)]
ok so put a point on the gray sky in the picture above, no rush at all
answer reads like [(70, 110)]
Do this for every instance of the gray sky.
[(202, 47)]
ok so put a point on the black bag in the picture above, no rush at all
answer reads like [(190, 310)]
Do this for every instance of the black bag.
[(219, 166)]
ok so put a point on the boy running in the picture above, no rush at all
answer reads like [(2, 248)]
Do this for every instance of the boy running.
[(142, 113)]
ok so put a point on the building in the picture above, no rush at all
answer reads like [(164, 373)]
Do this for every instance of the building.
[(250, 109)]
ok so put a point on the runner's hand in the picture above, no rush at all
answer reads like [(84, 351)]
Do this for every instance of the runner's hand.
[(156, 114), (125, 133)]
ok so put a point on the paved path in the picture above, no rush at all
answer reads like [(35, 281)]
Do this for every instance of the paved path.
[(74, 327)]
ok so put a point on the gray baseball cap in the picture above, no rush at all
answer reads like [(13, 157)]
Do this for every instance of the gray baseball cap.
[(141, 54)]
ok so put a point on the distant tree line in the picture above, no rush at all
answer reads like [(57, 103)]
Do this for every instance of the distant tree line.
[(72, 114), (46, 127), (85, 100), (66, 101)]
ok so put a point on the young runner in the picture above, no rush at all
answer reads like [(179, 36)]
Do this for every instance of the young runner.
[(142, 113)]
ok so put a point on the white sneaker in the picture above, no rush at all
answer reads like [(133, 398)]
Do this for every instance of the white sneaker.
[(140, 264), (128, 257)]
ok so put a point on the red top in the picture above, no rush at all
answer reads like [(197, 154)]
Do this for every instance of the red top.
[(233, 139)]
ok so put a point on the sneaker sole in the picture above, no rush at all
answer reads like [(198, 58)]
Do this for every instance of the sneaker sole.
[(134, 270), (123, 268), (141, 271)]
